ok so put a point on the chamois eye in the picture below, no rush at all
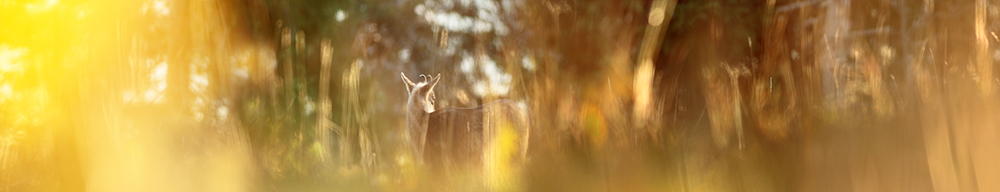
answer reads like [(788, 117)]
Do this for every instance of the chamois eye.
[(432, 98)]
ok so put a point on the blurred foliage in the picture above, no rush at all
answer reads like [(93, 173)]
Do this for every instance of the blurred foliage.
[(180, 95)]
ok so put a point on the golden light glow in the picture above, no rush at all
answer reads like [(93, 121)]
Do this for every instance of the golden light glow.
[(76, 82)]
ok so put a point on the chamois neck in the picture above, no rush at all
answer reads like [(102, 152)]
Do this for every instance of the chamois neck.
[(416, 125)]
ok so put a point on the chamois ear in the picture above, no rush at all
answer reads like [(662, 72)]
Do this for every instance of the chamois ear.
[(434, 82), (409, 84)]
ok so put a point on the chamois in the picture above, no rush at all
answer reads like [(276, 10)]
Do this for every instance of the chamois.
[(461, 136)]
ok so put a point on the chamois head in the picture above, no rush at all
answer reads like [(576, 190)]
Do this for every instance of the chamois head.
[(421, 94), (419, 105)]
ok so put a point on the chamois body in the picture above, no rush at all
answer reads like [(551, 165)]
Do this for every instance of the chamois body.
[(462, 137)]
